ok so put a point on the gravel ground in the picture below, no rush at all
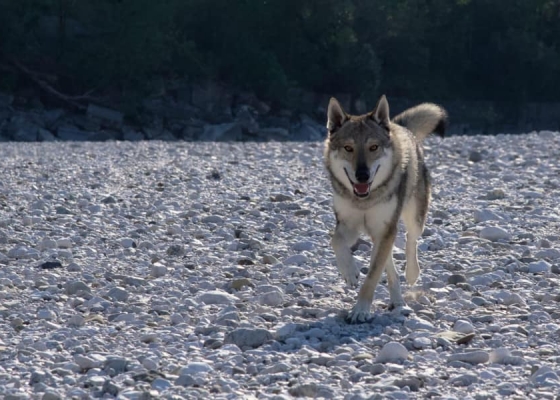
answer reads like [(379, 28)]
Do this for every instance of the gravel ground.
[(203, 270)]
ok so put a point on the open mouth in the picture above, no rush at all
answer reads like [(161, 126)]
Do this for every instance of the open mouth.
[(361, 189)]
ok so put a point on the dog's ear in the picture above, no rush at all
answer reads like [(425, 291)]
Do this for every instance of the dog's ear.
[(336, 116), (381, 112)]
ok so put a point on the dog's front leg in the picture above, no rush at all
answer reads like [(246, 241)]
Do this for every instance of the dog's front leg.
[(379, 258), (344, 237)]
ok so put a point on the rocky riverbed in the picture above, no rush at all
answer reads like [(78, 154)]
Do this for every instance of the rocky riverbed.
[(156, 269)]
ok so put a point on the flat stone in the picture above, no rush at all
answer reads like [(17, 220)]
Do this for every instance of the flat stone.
[(457, 337), (216, 297), (471, 357), (248, 337)]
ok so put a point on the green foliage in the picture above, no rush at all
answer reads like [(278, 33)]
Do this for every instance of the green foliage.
[(507, 50)]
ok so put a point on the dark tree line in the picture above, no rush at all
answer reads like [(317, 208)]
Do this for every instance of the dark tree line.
[(444, 49)]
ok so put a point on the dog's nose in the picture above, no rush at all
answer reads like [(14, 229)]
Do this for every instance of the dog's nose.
[(362, 174)]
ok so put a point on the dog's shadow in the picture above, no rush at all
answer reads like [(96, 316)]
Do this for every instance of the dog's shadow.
[(332, 330)]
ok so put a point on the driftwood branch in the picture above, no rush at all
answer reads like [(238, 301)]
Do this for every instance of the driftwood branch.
[(72, 100)]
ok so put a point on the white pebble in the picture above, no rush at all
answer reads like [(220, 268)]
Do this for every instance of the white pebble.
[(494, 233), (539, 267), (463, 326), (392, 352), (273, 298), (296, 259), (485, 215), (158, 270), (216, 297)]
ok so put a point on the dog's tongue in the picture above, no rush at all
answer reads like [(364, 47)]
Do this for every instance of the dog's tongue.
[(361, 188)]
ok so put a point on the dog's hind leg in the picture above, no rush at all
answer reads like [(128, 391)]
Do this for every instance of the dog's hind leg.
[(344, 237), (414, 215)]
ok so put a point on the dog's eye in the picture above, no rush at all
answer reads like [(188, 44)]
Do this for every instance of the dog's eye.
[(349, 149), (373, 147)]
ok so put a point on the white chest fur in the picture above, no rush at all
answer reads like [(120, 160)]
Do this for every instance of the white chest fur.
[(372, 221)]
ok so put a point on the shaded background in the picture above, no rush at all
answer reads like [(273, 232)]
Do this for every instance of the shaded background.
[(495, 64)]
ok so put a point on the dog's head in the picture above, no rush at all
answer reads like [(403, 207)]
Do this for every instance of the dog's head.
[(359, 148)]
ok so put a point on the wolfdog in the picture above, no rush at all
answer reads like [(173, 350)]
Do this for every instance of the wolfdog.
[(377, 170)]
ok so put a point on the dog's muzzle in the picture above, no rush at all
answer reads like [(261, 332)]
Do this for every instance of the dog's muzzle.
[(362, 189)]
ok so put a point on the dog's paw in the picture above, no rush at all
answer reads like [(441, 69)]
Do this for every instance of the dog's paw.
[(359, 314), (351, 275)]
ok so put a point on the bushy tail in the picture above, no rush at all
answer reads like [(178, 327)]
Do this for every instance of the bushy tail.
[(423, 119)]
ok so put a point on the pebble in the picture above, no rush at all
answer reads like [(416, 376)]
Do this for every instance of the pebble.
[(185, 380), (213, 219), (296, 259), (127, 243), (118, 294), (239, 284), (280, 197), (73, 287), (471, 357), (506, 389), (76, 321), (86, 363), (50, 265), (161, 384), (464, 380), (248, 337), (495, 194), (303, 246), (419, 324), (475, 156), (158, 270), (175, 250), (46, 244), (392, 352), (65, 243), (46, 314), (504, 356), (268, 259), (545, 376), (463, 326), (457, 337), (216, 297), (485, 215), (273, 298), (551, 254), (413, 383), (539, 267), (422, 343), (51, 394), (116, 365), (456, 278), (494, 233)]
